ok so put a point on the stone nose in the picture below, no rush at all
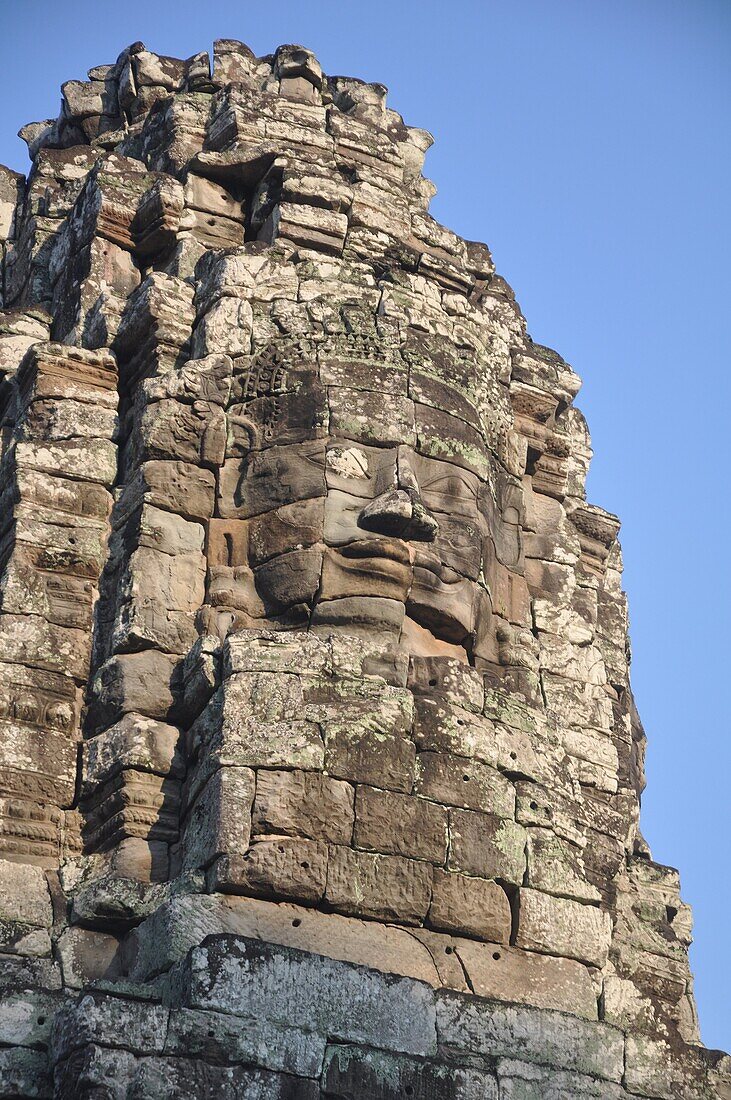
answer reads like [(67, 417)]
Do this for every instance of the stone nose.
[(401, 513)]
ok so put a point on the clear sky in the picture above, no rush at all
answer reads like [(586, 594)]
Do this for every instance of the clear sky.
[(587, 142)]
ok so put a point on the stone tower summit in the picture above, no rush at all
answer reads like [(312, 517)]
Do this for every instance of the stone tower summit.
[(319, 769)]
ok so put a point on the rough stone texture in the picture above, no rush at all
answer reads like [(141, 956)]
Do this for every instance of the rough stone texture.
[(320, 770)]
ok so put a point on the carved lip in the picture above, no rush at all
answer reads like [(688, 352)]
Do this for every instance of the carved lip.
[(393, 549)]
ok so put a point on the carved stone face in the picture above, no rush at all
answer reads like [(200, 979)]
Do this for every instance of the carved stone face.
[(362, 491)]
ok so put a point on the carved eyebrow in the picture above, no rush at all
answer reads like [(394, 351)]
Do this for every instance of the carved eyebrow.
[(448, 483)]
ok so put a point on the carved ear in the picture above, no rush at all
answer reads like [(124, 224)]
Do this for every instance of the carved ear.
[(249, 427)]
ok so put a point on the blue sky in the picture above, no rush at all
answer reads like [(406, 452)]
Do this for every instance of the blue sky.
[(586, 141)]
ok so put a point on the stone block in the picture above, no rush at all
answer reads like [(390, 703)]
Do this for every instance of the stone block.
[(532, 979), (470, 907), (446, 728), (285, 986), (382, 887), (133, 682), (269, 651), (26, 1017), (461, 781), (289, 579), (183, 922), (219, 1037), (178, 487), (135, 741), (86, 955), (358, 1074), (267, 479), (655, 1068), (487, 846), (111, 1021), (376, 617), (24, 972), (460, 684), (400, 824), (255, 720), (492, 1028), (367, 736), (193, 1077), (24, 896), (560, 926), (276, 867), (25, 1072), (219, 822), (32, 640), (379, 419), (92, 460), (523, 1081), (305, 804), (557, 867), (293, 526)]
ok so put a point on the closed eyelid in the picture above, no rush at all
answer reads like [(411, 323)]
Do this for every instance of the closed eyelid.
[(452, 485)]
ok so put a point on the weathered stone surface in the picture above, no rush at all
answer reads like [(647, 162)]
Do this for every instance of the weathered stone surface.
[(25, 1072), (133, 682), (217, 1037), (26, 914), (310, 635), (481, 844), (219, 822), (111, 1021), (533, 979), (461, 781), (400, 824), (25, 1018), (185, 921), (470, 906), (303, 804), (86, 955), (524, 1081), (383, 887), (279, 984), (134, 741), (534, 1035), (559, 926), (371, 1075), (282, 866)]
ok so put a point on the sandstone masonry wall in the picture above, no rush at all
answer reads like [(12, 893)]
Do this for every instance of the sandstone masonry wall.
[(320, 770)]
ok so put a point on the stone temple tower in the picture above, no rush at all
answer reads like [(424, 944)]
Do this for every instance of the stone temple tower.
[(319, 766)]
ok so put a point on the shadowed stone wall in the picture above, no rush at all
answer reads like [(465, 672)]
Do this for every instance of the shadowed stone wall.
[(319, 770)]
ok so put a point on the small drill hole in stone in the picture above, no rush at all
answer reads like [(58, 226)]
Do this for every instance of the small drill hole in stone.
[(513, 756), (305, 865), (281, 847), (41, 1019), (211, 1033), (465, 779), (448, 950), (433, 682), (496, 954), (211, 221), (409, 1090), (460, 721), (296, 922), (534, 805)]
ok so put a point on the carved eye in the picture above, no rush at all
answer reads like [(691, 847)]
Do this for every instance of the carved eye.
[(453, 487)]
